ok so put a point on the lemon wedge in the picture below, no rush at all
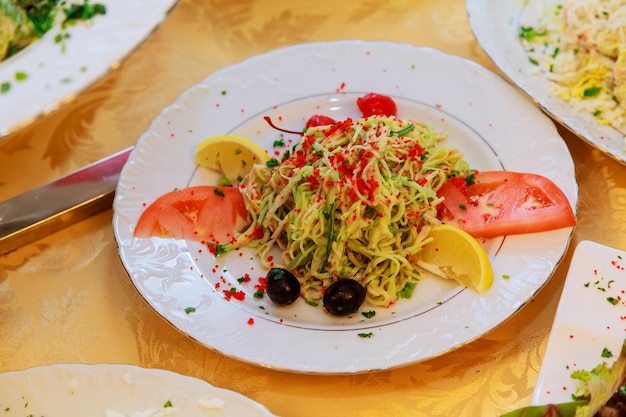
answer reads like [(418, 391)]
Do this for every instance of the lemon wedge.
[(232, 155), (455, 254)]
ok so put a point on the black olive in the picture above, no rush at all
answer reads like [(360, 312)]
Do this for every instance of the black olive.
[(282, 286), (344, 297)]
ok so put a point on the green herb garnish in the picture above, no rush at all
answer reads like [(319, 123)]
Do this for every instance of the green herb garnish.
[(404, 131), (368, 314), (529, 33), (592, 91), (85, 11), (407, 291)]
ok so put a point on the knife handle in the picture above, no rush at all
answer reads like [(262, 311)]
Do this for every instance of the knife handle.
[(53, 206)]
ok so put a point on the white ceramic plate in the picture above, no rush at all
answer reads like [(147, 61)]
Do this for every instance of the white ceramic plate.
[(290, 84), (116, 391), (496, 25), (56, 75), (586, 321)]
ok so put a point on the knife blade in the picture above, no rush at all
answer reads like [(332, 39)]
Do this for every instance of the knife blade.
[(60, 203)]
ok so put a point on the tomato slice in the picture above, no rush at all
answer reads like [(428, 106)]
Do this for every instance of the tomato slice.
[(374, 104), (319, 120), (202, 213), (498, 203)]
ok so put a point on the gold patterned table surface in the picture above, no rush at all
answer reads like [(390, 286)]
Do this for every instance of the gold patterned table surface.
[(67, 298)]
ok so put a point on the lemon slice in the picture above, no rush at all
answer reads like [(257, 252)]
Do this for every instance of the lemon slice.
[(455, 254), (232, 155)]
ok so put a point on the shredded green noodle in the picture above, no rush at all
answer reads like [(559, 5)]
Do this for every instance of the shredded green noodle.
[(353, 200)]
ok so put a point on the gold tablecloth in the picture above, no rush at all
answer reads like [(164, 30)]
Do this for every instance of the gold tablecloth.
[(67, 298)]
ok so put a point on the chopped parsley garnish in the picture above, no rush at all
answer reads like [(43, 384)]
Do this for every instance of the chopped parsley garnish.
[(366, 335), (407, 291), (218, 192), (529, 33), (85, 11), (41, 14), (592, 92), (190, 310), (368, 314), (606, 353), (60, 37), (219, 249)]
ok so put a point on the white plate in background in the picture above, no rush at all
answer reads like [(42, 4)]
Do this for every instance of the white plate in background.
[(57, 74), (496, 25), (591, 316), (102, 390)]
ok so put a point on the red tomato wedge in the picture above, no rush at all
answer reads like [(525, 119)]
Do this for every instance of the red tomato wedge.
[(319, 120), (500, 203), (374, 104), (202, 213)]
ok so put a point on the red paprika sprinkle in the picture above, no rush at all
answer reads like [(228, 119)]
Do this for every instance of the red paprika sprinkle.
[(232, 293), (261, 285)]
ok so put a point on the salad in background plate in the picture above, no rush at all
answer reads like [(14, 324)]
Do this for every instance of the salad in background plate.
[(498, 27), (48, 58)]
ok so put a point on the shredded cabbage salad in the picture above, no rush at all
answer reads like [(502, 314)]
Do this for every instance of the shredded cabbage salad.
[(580, 45), (354, 200)]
